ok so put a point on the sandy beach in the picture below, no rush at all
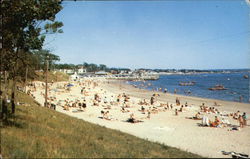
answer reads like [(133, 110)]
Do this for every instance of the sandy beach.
[(164, 126)]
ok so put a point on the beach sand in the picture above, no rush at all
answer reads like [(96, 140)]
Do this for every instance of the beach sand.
[(163, 127)]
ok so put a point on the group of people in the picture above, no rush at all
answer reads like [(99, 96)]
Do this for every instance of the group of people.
[(147, 106)]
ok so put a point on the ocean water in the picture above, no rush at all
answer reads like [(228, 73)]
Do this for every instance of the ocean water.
[(235, 83)]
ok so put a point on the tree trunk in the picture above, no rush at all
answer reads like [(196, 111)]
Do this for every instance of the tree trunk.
[(26, 76), (4, 95), (13, 90), (13, 93)]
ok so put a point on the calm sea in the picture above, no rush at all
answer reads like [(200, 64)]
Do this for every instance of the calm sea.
[(235, 83)]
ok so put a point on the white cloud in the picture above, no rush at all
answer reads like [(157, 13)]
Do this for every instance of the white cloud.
[(248, 2)]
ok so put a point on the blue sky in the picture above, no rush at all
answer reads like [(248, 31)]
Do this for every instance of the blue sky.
[(155, 34)]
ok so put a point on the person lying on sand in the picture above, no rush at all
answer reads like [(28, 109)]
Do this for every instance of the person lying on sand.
[(105, 115), (107, 107), (142, 110), (216, 104), (124, 110), (196, 117), (132, 119)]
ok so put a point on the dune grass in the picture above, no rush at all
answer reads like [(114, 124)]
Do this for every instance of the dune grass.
[(38, 132)]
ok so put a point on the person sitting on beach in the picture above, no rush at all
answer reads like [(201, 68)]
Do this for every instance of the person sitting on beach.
[(126, 99), (186, 104), (224, 122), (105, 115), (97, 98), (205, 109), (166, 107), (176, 112), (171, 106), (215, 123), (118, 98), (84, 105), (181, 109), (66, 107), (95, 103), (142, 109), (177, 101), (216, 111), (236, 115)]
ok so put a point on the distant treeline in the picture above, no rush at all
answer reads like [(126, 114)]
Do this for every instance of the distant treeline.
[(90, 67)]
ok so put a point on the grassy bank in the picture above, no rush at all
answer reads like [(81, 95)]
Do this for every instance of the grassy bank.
[(37, 132), (55, 76)]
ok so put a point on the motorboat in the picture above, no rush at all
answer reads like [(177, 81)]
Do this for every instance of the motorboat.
[(218, 87)]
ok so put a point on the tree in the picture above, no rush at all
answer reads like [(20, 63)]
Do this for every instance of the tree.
[(24, 26), (41, 57), (103, 67)]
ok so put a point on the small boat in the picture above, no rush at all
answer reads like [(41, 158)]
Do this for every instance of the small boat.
[(246, 76), (187, 83), (217, 87)]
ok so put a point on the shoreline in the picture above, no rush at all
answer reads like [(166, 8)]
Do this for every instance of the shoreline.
[(201, 99), (163, 127)]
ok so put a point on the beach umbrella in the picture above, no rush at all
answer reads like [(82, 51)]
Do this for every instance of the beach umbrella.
[(70, 85)]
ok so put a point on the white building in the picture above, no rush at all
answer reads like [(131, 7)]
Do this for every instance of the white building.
[(81, 70)]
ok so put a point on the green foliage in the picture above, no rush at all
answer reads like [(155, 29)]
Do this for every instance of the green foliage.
[(42, 56), (23, 31)]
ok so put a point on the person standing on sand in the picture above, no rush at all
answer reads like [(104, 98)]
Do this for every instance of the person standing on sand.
[(152, 100), (244, 116), (175, 91), (241, 121)]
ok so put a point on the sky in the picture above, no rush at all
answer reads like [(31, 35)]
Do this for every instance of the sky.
[(166, 34)]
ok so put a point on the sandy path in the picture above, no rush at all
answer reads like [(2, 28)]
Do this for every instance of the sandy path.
[(165, 127)]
